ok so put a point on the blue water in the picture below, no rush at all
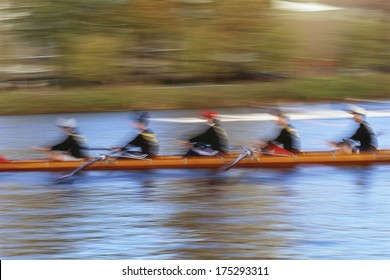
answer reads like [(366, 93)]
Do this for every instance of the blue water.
[(312, 212)]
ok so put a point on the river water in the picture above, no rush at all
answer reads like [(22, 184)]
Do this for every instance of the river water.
[(311, 212)]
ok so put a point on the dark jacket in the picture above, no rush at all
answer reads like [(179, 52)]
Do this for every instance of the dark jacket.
[(147, 141), (73, 144), (289, 139), (366, 136), (215, 136)]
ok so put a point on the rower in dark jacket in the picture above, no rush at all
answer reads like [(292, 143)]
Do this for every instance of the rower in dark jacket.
[(364, 138), (288, 137), (71, 148), (212, 141), (146, 140)]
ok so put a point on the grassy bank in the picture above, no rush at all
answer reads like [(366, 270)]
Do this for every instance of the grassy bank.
[(119, 97)]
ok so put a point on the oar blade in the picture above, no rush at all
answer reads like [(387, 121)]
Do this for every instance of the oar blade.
[(64, 177), (102, 157), (245, 153)]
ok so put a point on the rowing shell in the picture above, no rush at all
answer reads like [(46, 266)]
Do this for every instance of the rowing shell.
[(177, 162)]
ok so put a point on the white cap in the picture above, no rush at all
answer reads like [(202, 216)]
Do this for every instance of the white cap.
[(352, 109), (70, 123)]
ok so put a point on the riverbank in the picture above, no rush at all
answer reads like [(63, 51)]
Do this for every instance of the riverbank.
[(155, 97)]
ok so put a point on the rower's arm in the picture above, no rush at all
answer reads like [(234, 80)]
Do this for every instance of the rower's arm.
[(137, 142), (281, 138), (204, 137), (64, 145)]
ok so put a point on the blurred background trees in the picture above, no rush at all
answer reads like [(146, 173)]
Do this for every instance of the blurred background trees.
[(154, 41)]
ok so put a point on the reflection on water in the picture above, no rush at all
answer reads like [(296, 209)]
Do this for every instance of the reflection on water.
[(312, 212), (246, 214), (221, 220)]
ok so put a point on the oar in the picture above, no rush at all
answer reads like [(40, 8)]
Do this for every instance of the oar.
[(132, 156), (273, 154), (81, 167), (98, 149), (246, 152)]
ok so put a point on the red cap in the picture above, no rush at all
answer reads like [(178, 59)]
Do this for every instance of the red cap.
[(209, 114)]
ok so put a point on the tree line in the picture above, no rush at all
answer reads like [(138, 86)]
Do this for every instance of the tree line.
[(111, 41)]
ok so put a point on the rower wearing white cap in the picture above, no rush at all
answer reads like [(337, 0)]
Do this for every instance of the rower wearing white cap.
[(364, 135), (70, 148)]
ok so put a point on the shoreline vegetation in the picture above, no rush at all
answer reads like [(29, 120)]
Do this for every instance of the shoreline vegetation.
[(194, 96)]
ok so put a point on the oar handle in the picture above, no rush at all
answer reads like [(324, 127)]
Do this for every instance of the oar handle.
[(98, 149)]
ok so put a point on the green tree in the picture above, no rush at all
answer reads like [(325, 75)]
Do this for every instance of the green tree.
[(76, 30), (111, 40), (94, 57), (227, 39), (366, 44)]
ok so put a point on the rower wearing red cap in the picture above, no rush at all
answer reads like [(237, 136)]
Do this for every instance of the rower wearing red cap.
[(212, 141)]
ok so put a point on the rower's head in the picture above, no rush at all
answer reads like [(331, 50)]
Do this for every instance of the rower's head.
[(282, 120), (67, 125), (358, 113), (210, 116), (141, 121)]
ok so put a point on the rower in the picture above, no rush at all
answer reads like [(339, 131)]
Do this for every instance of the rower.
[(146, 140), (212, 141), (288, 140), (364, 135), (71, 147)]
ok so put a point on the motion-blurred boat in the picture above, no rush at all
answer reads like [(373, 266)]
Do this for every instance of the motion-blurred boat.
[(255, 160)]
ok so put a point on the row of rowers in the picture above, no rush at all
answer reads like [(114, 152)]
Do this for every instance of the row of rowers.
[(211, 142)]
